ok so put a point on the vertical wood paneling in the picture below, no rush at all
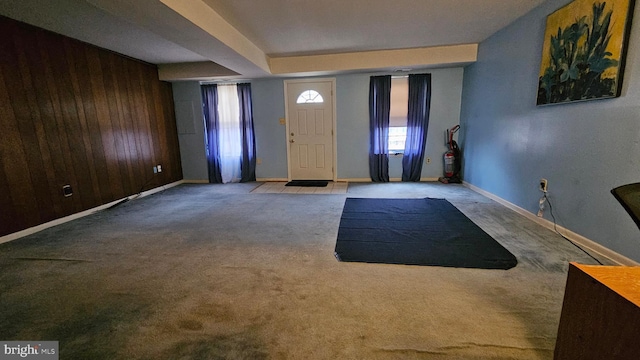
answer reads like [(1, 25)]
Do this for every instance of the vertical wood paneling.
[(14, 165), (17, 80), (72, 113), (62, 158), (87, 98), (119, 122), (82, 137), (71, 138)]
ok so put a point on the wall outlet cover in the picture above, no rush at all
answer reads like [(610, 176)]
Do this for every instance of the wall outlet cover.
[(543, 185), (67, 191)]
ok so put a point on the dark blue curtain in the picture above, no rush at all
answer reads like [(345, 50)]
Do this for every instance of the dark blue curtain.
[(210, 111), (379, 106), (417, 126), (248, 166)]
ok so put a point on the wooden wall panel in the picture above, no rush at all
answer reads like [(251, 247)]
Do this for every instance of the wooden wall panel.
[(72, 113)]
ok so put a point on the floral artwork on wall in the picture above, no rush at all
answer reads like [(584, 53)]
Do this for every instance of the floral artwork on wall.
[(584, 51)]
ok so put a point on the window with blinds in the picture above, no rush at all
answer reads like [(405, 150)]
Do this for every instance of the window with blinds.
[(398, 114)]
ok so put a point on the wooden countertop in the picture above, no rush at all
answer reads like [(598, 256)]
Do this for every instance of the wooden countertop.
[(624, 280)]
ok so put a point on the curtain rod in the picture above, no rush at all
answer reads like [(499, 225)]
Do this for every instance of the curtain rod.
[(223, 82)]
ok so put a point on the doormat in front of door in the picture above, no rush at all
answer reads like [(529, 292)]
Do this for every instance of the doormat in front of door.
[(309, 183)]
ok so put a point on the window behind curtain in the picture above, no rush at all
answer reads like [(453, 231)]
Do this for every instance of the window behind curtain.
[(398, 114), (229, 138)]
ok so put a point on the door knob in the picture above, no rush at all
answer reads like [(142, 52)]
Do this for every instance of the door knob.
[(292, 141)]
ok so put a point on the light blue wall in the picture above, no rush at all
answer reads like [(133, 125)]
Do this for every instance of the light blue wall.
[(583, 149), (352, 126), (353, 123), (190, 124), (271, 139), (352, 133)]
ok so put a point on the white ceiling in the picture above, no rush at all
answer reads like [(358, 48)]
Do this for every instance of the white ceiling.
[(294, 27), (207, 39)]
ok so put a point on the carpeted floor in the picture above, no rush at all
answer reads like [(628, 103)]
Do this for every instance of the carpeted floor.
[(217, 272)]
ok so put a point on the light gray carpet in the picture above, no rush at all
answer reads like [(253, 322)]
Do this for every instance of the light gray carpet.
[(217, 272)]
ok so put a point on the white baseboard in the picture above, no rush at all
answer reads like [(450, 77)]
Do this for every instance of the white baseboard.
[(35, 229), (272, 179), (195, 181), (356, 180), (588, 244), (368, 180)]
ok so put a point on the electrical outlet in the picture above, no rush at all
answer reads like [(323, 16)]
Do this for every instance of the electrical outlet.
[(159, 168), (543, 185), (428, 160), (67, 191)]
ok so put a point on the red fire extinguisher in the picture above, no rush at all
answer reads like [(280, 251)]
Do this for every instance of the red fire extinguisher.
[(452, 159), (449, 161)]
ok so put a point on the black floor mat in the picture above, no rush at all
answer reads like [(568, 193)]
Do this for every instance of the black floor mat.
[(416, 232), (310, 183)]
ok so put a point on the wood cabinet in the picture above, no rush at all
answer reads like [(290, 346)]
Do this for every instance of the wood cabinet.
[(600, 314)]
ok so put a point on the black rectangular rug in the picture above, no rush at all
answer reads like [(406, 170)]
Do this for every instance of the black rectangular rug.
[(310, 183), (416, 232)]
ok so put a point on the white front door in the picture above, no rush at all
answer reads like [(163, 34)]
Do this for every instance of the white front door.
[(310, 113)]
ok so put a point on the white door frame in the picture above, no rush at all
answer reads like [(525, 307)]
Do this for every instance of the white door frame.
[(333, 133)]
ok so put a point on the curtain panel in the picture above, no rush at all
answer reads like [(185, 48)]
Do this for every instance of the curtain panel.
[(229, 133), (379, 106), (417, 126), (210, 112), (248, 167)]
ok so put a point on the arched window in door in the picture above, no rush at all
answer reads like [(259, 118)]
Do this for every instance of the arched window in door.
[(310, 97)]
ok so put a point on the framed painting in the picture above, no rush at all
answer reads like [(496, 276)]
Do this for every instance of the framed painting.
[(584, 51)]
